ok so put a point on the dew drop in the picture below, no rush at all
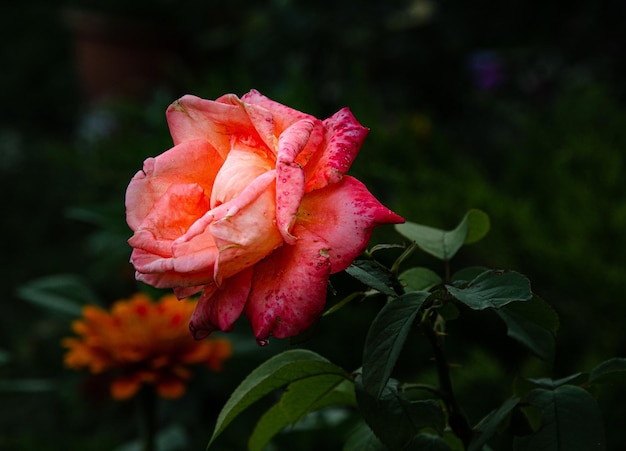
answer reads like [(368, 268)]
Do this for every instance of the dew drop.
[(263, 341)]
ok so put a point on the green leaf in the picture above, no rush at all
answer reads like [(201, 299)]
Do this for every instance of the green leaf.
[(550, 384), (468, 274), (609, 370), (538, 311), (453, 441), (523, 386), (478, 225), (419, 279), (374, 275), (526, 419), (534, 324), (62, 293), (280, 370), (362, 438), (493, 289), (571, 421), (427, 442), (300, 398), (394, 419), (444, 244), (386, 338), (491, 423)]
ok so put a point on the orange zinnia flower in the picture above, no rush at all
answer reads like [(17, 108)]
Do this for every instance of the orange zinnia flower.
[(142, 342)]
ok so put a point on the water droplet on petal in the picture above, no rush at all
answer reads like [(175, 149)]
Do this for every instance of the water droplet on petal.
[(263, 341)]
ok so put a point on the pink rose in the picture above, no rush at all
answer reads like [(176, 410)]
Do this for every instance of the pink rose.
[(252, 208)]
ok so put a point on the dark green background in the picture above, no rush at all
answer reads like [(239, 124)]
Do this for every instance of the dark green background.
[(539, 147)]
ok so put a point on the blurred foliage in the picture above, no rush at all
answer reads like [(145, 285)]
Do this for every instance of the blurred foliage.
[(515, 108)]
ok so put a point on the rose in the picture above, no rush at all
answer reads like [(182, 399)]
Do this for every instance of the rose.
[(251, 207)]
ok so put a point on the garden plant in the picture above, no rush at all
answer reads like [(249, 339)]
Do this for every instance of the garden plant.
[(252, 208)]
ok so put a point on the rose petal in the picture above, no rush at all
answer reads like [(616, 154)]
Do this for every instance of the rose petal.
[(245, 222), (177, 210), (154, 255), (191, 118), (163, 272), (289, 192), (344, 214), (218, 309), (260, 118), (195, 256), (241, 167), (314, 144), (271, 119), (283, 115), (290, 175), (247, 236), (171, 216), (344, 136), (289, 288), (185, 292), (172, 279), (193, 162), (239, 232), (230, 208)]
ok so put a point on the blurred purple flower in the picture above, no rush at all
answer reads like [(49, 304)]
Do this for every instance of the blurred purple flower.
[(486, 69)]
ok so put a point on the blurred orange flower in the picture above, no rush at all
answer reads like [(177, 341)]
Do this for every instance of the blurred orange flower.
[(140, 341)]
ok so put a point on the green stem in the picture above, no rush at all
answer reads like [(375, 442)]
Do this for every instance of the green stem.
[(146, 413), (458, 423)]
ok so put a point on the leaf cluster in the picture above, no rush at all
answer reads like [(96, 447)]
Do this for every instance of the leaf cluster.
[(392, 414)]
